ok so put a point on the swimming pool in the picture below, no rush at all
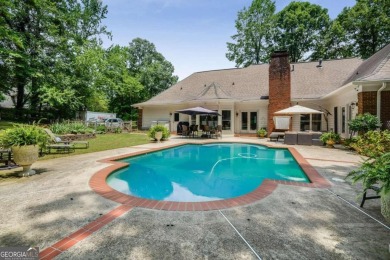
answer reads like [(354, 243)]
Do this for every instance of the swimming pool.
[(195, 173)]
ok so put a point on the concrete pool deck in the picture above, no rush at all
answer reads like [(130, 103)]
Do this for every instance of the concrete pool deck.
[(59, 212)]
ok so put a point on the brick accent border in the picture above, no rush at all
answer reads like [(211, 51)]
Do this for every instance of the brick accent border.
[(84, 232), (99, 185)]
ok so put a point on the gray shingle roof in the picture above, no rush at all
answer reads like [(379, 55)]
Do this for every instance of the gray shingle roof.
[(212, 92), (307, 81), (375, 68)]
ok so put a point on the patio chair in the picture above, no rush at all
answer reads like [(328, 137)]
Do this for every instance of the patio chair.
[(56, 141), (304, 138), (291, 138), (275, 136), (218, 132), (194, 129), (6, 156), (206, 131), (185, 131)]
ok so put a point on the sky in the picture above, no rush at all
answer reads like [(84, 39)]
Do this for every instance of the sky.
[(191, 34)]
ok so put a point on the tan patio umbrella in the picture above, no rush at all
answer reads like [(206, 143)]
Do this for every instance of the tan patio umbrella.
[(298, 110)]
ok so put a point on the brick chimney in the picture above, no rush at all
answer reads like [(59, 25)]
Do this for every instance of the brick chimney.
[(279, 85)]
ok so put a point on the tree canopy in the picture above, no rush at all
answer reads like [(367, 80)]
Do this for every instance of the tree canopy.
[(306, 31), (254, 33), (52, 60)]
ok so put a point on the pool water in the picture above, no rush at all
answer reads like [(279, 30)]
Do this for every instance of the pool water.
[(193, 173)]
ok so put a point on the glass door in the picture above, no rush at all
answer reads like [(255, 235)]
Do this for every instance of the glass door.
[(253, 120), (248, 122), (244, 121)]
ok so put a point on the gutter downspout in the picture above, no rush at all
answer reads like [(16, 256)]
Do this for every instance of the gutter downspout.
[(378, 100)]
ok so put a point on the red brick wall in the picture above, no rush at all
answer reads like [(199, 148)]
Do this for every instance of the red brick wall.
[(139, 121), (385, 109), (367, 104), (279, 86)]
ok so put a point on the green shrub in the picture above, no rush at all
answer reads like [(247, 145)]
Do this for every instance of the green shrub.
[(21, 134), (330, 136), (374, 171), (372, 143), (101, 129), (364, 123), (70, 128), (261, 132), (59, 128), (159, 128)]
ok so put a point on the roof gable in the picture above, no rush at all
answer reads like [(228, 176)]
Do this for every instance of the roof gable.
[(212, 92), (308, 81), (375, 68)]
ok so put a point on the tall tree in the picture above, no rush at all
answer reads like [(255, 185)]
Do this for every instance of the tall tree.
[(254, 26), (121, 88), (300, 26), (43, 38), (336, 41), (368, 26), (154, 72)]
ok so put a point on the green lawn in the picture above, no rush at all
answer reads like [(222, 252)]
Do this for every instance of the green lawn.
[(5, 124), (106, 142)]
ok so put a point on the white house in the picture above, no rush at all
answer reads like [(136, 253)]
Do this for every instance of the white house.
[(247, 98)]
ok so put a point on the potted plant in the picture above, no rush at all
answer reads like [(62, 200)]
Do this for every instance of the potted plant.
[(159, 128), (330, 138), (375, 171), (261, 132), (24, 141)]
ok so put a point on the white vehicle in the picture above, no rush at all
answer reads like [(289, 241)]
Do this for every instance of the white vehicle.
[(114, 123)]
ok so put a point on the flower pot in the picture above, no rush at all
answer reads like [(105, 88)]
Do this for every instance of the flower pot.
[(158, 136), (330, 143), (385, 206), (25, 156)]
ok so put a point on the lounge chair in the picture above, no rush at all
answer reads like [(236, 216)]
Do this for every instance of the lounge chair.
[(275, 136), (56, 141), (6, 157)]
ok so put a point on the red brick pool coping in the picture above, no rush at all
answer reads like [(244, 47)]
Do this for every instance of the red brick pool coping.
[(99, 185)]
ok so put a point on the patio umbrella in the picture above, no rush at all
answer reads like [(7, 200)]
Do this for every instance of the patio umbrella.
[(297, 109), (198, 111)]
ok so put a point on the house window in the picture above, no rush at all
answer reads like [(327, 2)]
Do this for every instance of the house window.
[(193, 119), (305, 122), (226, 119), (210, 120), (177, 118), (315, 122), (343, 119)]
